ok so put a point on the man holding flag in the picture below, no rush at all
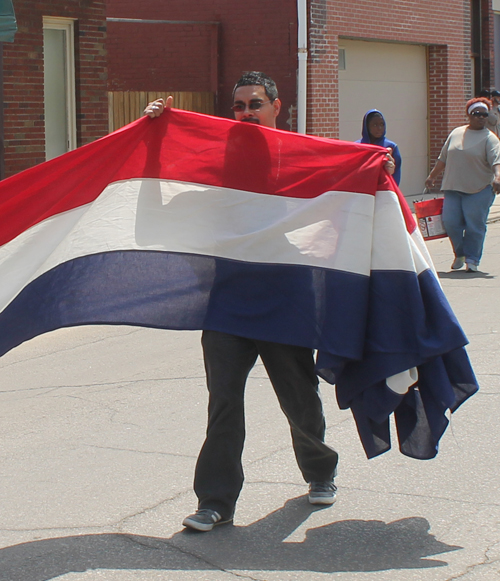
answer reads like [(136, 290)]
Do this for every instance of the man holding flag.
[(228, 362), (271, 243)]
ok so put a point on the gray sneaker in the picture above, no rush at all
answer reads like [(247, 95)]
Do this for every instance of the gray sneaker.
[(322, 492), (458, 263), (204, 520)]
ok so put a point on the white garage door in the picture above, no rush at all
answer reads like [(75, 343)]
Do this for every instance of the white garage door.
[(391, 78)]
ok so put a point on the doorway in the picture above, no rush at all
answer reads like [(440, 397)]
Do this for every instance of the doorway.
[(59, 86)]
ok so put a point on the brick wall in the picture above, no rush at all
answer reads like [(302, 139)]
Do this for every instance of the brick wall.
[(147, 57), (260, 36), (444, 27), (322, 74), (439, 113), (24, 131), (265, 38)]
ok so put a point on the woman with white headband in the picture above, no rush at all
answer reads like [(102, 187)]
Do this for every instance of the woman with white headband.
[(470, 159)]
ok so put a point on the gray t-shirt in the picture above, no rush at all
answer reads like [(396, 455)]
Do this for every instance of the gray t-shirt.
[(469, 156)]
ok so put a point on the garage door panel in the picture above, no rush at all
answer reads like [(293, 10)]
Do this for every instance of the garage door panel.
[(392, 78), (411, 144), (414, 176), (376, 61), (382, 96)]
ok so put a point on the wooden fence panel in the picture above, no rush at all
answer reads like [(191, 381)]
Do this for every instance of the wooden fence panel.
[(127, 106)]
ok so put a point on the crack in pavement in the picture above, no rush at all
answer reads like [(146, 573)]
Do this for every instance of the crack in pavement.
[(201, 558), (485, 563), (111, 384), (171, 454), (116, 526), (426, 496), (103, 528), (72, 347), (120, 524)]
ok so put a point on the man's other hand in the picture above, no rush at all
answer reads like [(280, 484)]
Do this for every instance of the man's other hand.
[(156, 108)]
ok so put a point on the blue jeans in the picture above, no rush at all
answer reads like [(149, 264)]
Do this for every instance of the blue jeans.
[(464, 218)]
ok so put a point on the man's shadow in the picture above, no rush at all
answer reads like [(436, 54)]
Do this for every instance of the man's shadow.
[(351, 545)]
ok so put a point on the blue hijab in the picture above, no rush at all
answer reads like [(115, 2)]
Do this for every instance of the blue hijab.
[(383, 142)]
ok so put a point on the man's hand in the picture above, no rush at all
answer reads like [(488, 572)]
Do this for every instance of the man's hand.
[(156, 108)]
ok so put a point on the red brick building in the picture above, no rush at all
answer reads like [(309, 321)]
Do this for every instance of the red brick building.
[(60, 104), (455, 39), (418, 61), (202, 46)]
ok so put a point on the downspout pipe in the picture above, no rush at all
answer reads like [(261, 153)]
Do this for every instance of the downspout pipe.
[(302, 72)]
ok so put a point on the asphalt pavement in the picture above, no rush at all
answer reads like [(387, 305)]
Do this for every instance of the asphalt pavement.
[(100, 428)]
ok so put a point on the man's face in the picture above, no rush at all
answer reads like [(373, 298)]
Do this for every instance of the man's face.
[(255, 95), (495, 100)]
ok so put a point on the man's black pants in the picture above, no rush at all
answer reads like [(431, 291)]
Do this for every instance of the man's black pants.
[(228, 361)]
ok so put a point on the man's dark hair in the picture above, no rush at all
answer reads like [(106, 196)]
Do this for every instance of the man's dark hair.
[(258, 78)]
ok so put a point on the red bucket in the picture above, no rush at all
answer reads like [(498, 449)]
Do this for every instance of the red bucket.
[(430, 218)]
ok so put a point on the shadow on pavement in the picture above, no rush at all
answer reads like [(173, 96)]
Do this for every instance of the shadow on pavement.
[(463, 274), (351, 545)]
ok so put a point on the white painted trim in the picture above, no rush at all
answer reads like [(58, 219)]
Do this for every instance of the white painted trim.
[(302, 72), (68, 25)]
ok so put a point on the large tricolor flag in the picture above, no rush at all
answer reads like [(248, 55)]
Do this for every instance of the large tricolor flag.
[(192, 222)]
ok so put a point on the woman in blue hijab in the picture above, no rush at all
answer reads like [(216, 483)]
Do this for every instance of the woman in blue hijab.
[(374, 133)]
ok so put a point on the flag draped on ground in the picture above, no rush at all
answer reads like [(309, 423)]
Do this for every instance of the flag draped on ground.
[(193, 222)]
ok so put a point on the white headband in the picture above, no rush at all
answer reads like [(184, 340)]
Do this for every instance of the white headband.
[(478, 105)]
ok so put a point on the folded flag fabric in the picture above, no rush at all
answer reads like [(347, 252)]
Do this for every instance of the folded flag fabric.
[(193, 222)]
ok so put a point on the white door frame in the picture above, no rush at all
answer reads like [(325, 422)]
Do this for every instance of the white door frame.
[(68, 26)]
